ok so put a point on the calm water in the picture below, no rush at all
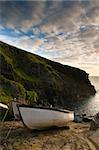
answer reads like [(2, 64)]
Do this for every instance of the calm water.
[(91, 105)]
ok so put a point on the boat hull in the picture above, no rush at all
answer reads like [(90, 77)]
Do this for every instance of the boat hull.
[(15, 110), (36, 118)]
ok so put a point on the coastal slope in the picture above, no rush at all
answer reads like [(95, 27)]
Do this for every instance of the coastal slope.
[(35, 79)]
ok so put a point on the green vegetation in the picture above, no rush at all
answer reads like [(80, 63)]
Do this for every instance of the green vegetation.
[(37, 80), (31, 97), (10, 89)]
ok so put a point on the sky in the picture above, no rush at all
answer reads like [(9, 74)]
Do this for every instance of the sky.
[(60, 30)]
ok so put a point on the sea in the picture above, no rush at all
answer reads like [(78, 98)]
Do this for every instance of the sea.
[(88, 106)]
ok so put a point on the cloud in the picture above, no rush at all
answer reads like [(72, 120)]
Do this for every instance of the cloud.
[(90, 14), (64, 31), (21, 14)]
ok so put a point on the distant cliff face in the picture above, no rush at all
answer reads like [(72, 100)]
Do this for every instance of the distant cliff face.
[(36, 79)]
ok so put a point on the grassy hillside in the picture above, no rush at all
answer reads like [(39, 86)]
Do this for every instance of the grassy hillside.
[(35, 79)]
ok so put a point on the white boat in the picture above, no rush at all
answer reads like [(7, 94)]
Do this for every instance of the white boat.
[(15, 109), (3, 106), (41, 117)]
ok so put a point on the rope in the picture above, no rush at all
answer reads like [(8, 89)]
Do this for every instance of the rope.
[(4, 118), (5, 115), (2, 121), (9, 131)]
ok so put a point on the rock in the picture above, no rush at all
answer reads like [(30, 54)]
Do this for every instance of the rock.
[(86, 119), (95, 122), (82, 118), (78, 118)]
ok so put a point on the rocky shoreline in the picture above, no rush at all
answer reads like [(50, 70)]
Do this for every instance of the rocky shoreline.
[(76, 136)]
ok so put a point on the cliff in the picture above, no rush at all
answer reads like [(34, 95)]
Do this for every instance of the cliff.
[(35, 79)]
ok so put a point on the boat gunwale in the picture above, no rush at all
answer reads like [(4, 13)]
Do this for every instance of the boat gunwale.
[(46, 108)]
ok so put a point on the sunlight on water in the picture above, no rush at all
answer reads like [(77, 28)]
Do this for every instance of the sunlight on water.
[(91, 105)]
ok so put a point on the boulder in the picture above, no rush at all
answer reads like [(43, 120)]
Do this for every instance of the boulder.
[(95, 122)]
